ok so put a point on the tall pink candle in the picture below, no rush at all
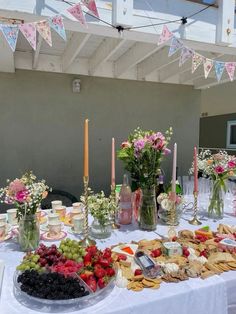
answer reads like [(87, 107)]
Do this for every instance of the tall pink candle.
[(173, 189), (113, 172), (195, 170)]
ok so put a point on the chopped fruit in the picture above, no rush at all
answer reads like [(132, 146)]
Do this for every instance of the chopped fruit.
[(128, 250), (204, 233), (122, 257), (138, 272), (156, 253)]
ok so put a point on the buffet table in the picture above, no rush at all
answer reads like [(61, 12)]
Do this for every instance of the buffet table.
[(216, 294)]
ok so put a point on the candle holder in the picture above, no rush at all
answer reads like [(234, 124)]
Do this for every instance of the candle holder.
[(113, 198), (86, 241), (173, 219), (195, 220)]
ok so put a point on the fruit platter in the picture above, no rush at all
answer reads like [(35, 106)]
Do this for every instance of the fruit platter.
[(65, 274)]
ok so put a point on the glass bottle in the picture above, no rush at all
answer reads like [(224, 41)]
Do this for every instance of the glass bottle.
[(125, 212)]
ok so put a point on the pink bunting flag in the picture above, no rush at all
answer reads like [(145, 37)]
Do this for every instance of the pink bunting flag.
[(207, 65), (230, 68), (29, 32), (91, 5), (77, 12), (196, 61), (165, 35), (186, 53), (45, 31)]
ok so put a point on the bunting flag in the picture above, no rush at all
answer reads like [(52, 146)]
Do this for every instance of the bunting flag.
[(165, 35), (186, 53), (44, 30), (10, 33), (91, 5), (77, 12), (230, 68), (219, 69), (29, 31), (207, 66), (196, 61), (56, 23), (174, 46)]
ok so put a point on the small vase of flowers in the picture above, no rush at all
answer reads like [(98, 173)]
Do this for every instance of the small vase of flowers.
[(166, 202)]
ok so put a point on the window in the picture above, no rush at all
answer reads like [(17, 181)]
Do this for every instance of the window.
[(231, 134)]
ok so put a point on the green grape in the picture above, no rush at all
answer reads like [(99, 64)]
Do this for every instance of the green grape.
[(32, 265), (37, 267), (79, 260), (70, 256), (75, 256), (60, 250), (27, 267)]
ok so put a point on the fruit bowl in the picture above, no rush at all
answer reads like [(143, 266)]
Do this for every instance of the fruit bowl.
[(88, 300)]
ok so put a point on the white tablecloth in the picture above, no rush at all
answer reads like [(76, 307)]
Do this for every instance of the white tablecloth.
[(215, 295)]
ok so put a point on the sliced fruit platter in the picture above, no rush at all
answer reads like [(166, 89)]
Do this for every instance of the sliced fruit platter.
[(66, 273)]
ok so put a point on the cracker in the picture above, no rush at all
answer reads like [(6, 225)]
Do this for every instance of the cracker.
[(125, 263), (156, 286), (148, 283), (207, 274), (138, 278)]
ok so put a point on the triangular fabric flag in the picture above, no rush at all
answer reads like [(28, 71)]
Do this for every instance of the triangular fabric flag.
[(10, 32), (165, 35), (56, 23), (196, 61), (219, 69), (207, 65), (29, 31), (44, 30), (174, 46), (91, 5), (230, 68), (77, 12), (186, 53)]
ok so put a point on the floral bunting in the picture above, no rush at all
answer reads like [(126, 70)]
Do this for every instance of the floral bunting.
[(56, 23), (29, 32), (44, 30), (175, 45), (186, 53), (91, 5), (230, 68), (165, 35), (77, 12), (10, 33), (196, 61), (207, 66), (219, 69)]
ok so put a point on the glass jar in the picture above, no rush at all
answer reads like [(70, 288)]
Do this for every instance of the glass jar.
[(99, 231), (148, 209), (217, 196), (29, 234)]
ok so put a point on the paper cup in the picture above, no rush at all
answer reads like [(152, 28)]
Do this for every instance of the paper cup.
[(56, 203), (54, 229), (2, 229), (11, 216), (78, 205), (53, 218), (78, 223), (3, 218), (61, 211)]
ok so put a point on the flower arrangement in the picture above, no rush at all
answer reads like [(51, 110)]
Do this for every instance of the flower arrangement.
[(25, 194), (142, 154), (100, 206), (219, 167)]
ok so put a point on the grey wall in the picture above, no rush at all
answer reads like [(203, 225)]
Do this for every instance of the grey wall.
[(41, 124)]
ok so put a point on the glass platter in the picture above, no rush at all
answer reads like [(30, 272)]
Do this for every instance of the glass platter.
[(56, 306)]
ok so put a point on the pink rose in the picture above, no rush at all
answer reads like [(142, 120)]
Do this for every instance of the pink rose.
[(16, 186), (21, 196), (231, 164), (125, 144), (219, 169)]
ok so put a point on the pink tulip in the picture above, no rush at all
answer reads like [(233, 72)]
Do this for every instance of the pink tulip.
[(219, 169)]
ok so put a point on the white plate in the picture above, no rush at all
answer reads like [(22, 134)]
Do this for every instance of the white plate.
[(118, 248)]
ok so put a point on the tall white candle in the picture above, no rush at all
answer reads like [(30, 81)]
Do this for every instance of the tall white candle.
[(174, 169)]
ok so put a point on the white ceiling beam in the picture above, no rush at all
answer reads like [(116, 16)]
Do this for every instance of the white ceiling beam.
[(137, 53), (172, 69), (203, 83), (36, 53), (7, 62), (106, 49), (73, 48), (156, 61)]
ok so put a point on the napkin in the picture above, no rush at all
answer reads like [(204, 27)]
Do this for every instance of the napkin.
[(1, 274)]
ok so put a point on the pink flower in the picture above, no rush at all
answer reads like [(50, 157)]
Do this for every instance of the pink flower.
[(125, 144), (16, 186), (218, 156), (231, 164), (21, 196), (219, 169), (166, 151)]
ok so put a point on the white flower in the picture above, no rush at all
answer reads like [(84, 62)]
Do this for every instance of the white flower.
[(166, 204)]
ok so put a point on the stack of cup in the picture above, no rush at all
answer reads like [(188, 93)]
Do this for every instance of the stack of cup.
[(77, 217), (54, 225), (56, 203), (61, 211), (11, 216), (3, 226)]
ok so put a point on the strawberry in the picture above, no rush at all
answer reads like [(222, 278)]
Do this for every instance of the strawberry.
[(84, 277), (138, 272), (106, 253), (186, 252), (87, 263), (204, 253), (174, 239), (156, 253), (110, 272), (92, 250), (101, 283), (99, 272), (92, 284), (88, 258), (121, 257), (105, 262)]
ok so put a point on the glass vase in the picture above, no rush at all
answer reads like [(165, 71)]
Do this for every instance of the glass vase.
[(148, 209), (216, 205), (100, 231), (29, 234)]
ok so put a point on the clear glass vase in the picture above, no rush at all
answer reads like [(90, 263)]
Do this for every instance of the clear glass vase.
[(216, 204), (148, 209), (99, 231), (29, 234)]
